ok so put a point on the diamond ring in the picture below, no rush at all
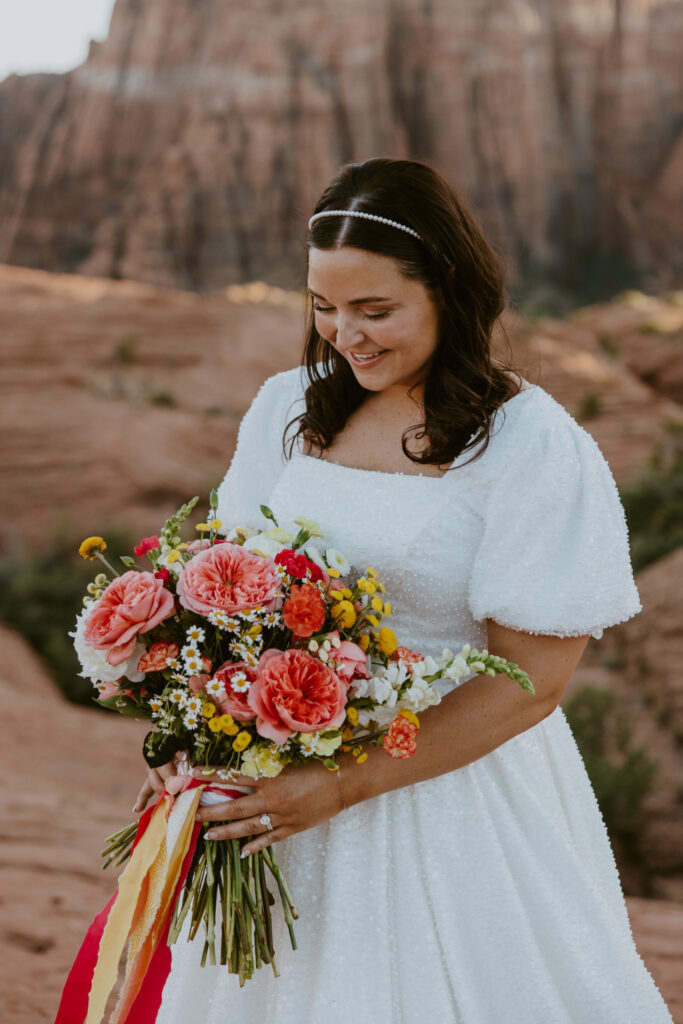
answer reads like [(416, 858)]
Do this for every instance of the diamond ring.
[(265, 820)]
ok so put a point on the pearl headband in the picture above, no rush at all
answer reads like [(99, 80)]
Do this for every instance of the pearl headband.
[(366, 216)]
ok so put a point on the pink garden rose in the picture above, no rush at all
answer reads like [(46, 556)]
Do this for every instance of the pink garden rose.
[(295, 692), (350, 660), (227, 578), (133, 603), (234, 702)]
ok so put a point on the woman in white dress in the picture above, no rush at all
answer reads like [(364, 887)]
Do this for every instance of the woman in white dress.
[(474, 883)]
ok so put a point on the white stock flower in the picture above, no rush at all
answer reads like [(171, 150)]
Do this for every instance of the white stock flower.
[(336, 560), (312, 525), (94, 664), (382, 691), (262, 544), (457, 668), (280, 535), (313, 554)]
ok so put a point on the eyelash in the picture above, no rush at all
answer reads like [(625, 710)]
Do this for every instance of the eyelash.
[(367, 316)]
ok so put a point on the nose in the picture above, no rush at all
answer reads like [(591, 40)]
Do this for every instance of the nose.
[(346, 333)]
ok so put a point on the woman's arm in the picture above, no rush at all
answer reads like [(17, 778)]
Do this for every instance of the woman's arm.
[(470, 722)]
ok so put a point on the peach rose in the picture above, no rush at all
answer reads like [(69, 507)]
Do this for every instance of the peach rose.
[(304, 610), (295, 692), (227, 578), (400, 740), (235, 703), (132, 604)]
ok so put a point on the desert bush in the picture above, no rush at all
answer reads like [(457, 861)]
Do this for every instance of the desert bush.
[(654, 502)]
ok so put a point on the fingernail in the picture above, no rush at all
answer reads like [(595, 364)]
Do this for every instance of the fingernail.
[(245, 853), (211, 834), (197, 817)]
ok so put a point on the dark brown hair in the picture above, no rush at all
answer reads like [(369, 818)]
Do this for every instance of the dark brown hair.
[(463, 387)]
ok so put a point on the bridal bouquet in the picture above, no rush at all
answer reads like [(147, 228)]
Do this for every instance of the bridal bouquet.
[(252, 652)]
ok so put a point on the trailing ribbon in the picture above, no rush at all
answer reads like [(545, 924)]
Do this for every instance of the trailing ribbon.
[(140, 914)]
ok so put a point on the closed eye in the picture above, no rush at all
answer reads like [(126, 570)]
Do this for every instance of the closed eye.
[(367, 316)]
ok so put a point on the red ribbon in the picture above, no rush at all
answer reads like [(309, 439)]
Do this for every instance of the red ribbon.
[(73, 1006)]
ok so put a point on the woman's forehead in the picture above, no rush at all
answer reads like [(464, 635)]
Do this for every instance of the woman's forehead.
[(348, 267)]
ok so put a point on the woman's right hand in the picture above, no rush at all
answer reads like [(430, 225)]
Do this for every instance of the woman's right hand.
[(154, 783)]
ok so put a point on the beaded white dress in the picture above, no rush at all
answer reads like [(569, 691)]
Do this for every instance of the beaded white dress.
[(488, 895)]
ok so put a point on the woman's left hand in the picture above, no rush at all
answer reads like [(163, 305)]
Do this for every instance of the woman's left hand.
[(300, 797)]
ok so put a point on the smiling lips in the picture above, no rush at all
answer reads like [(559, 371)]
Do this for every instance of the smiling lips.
[(366, 359)]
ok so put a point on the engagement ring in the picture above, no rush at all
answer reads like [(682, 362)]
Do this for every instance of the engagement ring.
[(265, 820)]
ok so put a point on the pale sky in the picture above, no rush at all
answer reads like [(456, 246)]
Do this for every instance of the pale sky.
[(49, 35)]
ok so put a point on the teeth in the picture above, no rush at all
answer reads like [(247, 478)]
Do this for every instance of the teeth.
[(367, 355)]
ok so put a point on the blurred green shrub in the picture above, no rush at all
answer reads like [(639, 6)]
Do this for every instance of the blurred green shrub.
[(654, 503), (40, 596), (621, 775)]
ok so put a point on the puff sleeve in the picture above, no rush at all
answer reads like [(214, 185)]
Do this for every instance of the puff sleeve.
[(554, 554), (258, 459)]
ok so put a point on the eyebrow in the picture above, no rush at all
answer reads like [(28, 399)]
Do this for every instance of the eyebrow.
[(357, 302)]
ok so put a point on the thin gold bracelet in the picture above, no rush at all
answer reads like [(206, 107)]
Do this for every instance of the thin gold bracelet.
[(341, 789)]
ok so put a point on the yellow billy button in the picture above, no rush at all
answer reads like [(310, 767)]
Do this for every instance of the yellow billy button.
[(215, 724), (208, 709), (241, 741), (373, 620), (333, 573), (352, 715), (338, 595), (90, 547), (216, 524), (228, 725), (202, 527), (376, 604), (344, 614), (387, 640), (371, 572), (363, 641)]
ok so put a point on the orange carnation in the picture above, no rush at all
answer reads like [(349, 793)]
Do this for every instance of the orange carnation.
[(400, 740), (405, 654), (304, 610)]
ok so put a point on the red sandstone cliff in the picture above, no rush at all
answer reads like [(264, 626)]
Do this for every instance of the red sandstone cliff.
[(188, 148)]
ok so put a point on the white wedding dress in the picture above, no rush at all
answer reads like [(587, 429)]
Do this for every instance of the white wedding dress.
[(488, 895)]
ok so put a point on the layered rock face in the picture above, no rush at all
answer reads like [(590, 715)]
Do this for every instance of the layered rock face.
[(189, 148)]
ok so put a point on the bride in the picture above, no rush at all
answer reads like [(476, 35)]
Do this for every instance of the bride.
[(474, 883)]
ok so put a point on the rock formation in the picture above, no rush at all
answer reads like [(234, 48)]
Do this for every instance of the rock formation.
[(189, 147)]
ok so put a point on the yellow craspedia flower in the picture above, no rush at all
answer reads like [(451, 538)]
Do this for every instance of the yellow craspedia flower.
[(241, 741), (361, 759), (90, 547), (387, 608), (372, 572), (228, 725), (362, 583), (373, 620), (347, 734), (208, 709), (344, 614), (370, 587), (333, 573), (381, 587), (376, 604), (387, 640), (339, 595), (215, 725), (352, 715), (346, 592), (410, 716), (363, 641), (202, 527)]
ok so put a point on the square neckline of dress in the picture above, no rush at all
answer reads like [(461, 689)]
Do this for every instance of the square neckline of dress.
[(418, 476)]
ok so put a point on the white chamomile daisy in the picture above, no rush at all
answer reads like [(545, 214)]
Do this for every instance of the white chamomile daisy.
[(178, 697), (193, 704), (195, 634), (214, 688), (271, 618), (191, 720), (190, 651), (172, 663), (307, 743), (156, 704), (193, 665), (239, 682)]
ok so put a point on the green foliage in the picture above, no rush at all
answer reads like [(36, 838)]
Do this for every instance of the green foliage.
[(621, 775), (40, 596), (127, 348), (654, 503), (589, 406)]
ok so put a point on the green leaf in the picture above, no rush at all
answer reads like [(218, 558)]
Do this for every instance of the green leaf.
[(268, 514), (301, 538), (125, 706), (157, 754), (130, 562), (330, 763)]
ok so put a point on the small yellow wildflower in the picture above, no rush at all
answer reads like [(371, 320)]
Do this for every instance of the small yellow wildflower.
[(362, 759), (208, 709), (373, 620), (387, 608), (387, 640), (370, 587), (173, 557), (90, 547), (410, 716), (345, 748), (376, 604), (352, 715), (215, 725), (338, 595), (363, 641), (255, 629), (381, 587), (372, 572), (228, 725), (347, 734), (361, 583), (333, 573), (356, 751), (346, 592), (202, 527), (344, 614), (216, 524), (241, 741)]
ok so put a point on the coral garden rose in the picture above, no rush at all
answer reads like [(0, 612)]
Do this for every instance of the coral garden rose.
[(298, 566), (132, 604), (304, 610), (227, 578), (234, 702), (399, 741), (154, 658), (295, 692)]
